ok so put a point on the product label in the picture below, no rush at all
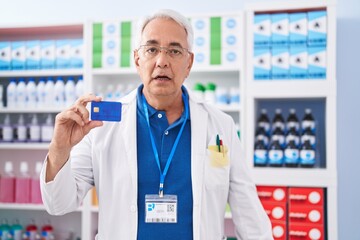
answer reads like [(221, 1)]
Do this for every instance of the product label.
[(291, 156), (260, 156), (276, 156), (307, 157)]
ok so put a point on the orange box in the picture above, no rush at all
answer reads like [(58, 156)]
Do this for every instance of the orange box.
[(306, 231), (279, 230), (273, 193), (306, 196), (306, 215), (275, 210)]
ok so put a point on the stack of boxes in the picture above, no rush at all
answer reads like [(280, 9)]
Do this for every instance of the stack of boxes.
[(296, 213), (290, 45), (113, 43), (41, 54), (216, 41)]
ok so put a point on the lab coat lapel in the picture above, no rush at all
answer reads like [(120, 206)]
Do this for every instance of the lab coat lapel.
[(198, 151)]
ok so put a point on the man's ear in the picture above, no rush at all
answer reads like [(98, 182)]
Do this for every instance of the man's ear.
[(136, 58), (191, 61)]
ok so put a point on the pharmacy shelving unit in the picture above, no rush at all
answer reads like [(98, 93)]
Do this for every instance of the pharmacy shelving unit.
[(34, 152), (291, 90)]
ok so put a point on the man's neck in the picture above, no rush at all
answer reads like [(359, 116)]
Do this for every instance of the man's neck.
[(173, 106)]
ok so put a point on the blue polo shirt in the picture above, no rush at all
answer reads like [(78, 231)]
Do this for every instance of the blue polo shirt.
[(178, 178)]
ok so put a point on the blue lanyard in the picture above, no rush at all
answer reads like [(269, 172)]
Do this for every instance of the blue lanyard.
[(163, 174)]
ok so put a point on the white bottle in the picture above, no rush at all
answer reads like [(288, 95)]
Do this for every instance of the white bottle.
[(50, 92), (23, 184), (79, 87), (31, 94), (40, 93), (21, 93), (59, 92), (34, 129), (7, 129), (70, 91), (20, 133), (11, 94), (47, 129), (109, 95), (1, 96), (234, 96), (119, 92)]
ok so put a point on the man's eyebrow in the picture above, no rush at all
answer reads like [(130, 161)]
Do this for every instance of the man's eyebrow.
[(155, 42)]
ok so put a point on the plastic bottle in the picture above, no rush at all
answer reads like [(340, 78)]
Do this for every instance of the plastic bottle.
[(307, 155), (278, 134), (291, 154), (261, 134), (222, 96), (35, 185), (278, 120), (308, 134), (59, 89), (22, 184), (70, 91), (109, 94), (49, 92), (308, 121), (16, 230), (260, 153), (276, 154), (31, 94), (32, 231), (34, 131), (292, 121), (199, 90), (5, 230), (21, 93), (47, 129), (119, 92), (47, 231), (20, 131), (40, 92), (7, 184), (293, 135), (1, 96), (209, 94), (263, 120), (79, 87), (234, 96), (11, 94), (7, 130)]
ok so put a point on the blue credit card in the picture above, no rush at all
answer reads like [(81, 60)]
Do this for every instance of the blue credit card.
[(106, 111)]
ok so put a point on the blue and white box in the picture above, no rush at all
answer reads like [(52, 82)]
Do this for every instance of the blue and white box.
[(5, 55), (201, 58), (111, 44), (111, 29), (317, 27), (76, 53), (18, 55), (33, 54), (262, 63), (280, 65), (298, 62), (298, 28), (317, 62), (110, 59), (279, 29), (47, 54), (230, 57), (262, 30), (62, 53)]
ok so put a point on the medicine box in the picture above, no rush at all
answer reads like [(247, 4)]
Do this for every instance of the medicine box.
[(18, 55), (262, 63), (5, 56), (317, 62), (33, 54), (317, 27), (262, 30), (279, 29), (280, 65), (298, 28), (47, 54), (62, 54), (298, 62)]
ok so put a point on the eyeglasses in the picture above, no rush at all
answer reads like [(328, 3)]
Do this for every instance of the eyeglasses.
[(174, 52)]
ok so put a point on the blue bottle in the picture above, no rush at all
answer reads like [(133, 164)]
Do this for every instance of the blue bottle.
[(291, 154), (307, 155), (278, 134), (260, 153), (261, 134), (293, 135), (308, 121), (263, 120), (308, 134), (278, 120), (292, 121), (275, 154)]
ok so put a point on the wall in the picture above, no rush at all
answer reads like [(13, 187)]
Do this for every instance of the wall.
[(348, 52)]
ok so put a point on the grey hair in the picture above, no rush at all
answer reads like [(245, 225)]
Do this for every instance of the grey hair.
[(167, 14)]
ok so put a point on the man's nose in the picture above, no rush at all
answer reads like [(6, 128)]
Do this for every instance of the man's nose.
[(162, 59)]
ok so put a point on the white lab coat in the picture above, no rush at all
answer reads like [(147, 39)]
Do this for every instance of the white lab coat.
[(107, 158)]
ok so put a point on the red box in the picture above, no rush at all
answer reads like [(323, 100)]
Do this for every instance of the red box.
[(279, 230), (306, 196), (306, 215), (275, 210), (306, 231), (273, 194)]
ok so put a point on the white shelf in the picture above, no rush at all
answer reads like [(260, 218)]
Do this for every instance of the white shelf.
[(30, 110), (42, 73), (24, 146), (19, 206)]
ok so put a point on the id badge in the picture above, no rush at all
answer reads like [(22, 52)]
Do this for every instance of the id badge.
[(160, 209)]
